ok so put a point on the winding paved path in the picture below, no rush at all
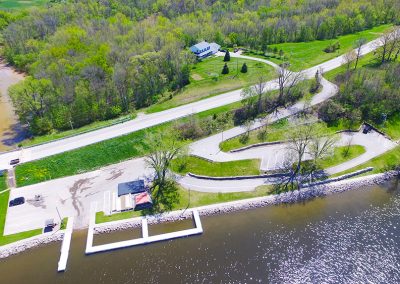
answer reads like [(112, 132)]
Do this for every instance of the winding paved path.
[(148, 120)]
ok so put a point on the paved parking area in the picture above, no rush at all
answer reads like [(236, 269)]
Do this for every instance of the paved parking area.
[(71, 196)]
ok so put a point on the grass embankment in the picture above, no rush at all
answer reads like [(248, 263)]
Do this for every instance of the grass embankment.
[(342, 154), (21, 4), (100, 154), (200, 166), (67, 133), (196, 199), (206, 80), (380, 164), (302, 55), (15, 237), (3, 182)]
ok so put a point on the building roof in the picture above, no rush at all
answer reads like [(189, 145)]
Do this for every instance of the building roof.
[(131, 187), (142, 198), (199, 46)]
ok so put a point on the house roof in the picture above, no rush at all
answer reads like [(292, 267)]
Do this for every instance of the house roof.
[(200, 46), (142, 198), (131, 187)]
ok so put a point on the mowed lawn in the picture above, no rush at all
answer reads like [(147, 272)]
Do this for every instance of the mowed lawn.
[(200, 166), (302, 55), (20, 4), (206, 80), (3, 212), (340, 156), (3, 184)]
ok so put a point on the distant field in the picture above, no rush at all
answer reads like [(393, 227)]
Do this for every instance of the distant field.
[(206, 80), (302, 55), (20, 4)]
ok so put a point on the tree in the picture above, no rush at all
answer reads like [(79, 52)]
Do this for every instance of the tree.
[(348, 58), (358, 46), (244, 68), (164, 147), (287, 80), (227, 56), (225, 69), (304, 139)]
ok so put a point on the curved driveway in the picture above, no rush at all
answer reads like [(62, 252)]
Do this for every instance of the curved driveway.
[(148, 120)]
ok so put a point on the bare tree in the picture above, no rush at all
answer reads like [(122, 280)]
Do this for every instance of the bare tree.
[(259, 89), (305, 141), (287, 80), (348, 58), (389, 45), (359, 44)]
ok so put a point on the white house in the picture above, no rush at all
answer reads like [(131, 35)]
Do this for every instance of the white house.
[(204, 49)]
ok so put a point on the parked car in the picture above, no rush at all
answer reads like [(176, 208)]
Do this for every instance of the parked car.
[(14, 162), (17, 201), (367, 129)]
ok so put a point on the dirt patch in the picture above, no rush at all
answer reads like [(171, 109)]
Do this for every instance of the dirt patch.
[(196, 77)]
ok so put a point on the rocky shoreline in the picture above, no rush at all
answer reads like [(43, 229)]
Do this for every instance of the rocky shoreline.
[(303, 194), (36, 241), (221, 208)]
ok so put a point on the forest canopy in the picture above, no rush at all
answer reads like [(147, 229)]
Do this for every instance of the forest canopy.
[(93, 60)]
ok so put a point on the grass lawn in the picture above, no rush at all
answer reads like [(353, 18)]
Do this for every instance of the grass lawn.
[(62, 134), (206, 80), (15, 237), (192, 199), (302, 55), (98, 155), (381, 163), (3, 182), (339, 156), (200, 166), (20, 4)]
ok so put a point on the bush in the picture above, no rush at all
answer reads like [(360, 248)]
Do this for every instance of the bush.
[(225, 69), (244, 68), (330, 111), (227, 56)]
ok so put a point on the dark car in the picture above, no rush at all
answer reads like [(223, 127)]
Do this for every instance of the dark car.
[(14, 162), (367, 128), (17, 201)]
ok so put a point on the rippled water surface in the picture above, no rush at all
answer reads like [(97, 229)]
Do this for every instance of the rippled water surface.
[(352, 237)]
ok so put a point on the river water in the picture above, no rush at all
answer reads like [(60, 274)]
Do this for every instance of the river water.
[(352, 237), (11, 131)]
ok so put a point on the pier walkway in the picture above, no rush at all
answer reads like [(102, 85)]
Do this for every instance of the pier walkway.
[(62, 263), (145, 239)]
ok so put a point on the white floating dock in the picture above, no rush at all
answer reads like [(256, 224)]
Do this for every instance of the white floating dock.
[(62, 263), (145, 239)]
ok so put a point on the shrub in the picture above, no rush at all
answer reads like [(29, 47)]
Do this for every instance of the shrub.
[(227, 56), (225, 69), (244, 68)]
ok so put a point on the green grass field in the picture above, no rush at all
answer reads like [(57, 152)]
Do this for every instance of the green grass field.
[(302, 55), (200, 166), (3, 212), (3, 183), (100, 154), (339, 156), (380, 164), (206, 80), (20, 4)]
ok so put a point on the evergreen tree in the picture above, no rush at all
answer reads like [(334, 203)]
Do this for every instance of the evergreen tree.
[(227, 56), (244, 68), (225, 70)]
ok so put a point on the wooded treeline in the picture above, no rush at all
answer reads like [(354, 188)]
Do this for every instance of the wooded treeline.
[(93, 60)]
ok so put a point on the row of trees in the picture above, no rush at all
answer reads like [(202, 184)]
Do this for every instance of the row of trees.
[(90, 60)]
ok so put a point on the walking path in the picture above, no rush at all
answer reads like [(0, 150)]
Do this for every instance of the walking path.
[(148, 120)]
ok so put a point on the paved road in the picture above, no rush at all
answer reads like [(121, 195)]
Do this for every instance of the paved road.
[(209, 147), (149, 120)]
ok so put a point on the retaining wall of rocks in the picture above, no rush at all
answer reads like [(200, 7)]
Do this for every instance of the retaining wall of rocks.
[(22, 245)]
